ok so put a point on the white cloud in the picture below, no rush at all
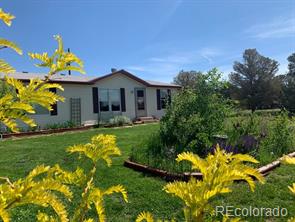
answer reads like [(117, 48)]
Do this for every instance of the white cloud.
[(182, 59), (280, 27), (209, 54), (137, 68), (164, 68)]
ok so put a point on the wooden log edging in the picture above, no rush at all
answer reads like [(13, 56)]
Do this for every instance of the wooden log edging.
[(61, 130), (44, 132), (168, 176), (265, 170)]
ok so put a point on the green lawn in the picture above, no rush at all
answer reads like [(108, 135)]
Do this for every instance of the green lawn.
[(18, 157)]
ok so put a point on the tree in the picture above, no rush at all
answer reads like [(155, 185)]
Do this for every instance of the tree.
[(255, 82), (187, 79), (291, 65), (289, 85)]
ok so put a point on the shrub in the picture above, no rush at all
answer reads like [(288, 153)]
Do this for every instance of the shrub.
[(280, 138), (243, 134), (242, 126), (66, 124), (260, 112), (246, 145), (119, 121), (195, 115)]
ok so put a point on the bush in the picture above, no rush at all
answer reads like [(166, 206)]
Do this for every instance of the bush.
[(195, 115), (280, 139), (261, 112), (67, 124), (243, 134), (119, 121)]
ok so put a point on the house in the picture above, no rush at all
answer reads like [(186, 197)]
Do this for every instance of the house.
[(90, 100)]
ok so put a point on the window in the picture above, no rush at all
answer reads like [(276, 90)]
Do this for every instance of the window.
[(40, 110), (163, 98), (114, 97), (103, 100), (109, 100)]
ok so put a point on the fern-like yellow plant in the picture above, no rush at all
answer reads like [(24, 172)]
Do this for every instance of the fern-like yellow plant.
[(148, 217), (40, 186), (145, 216), (32, 190), (18, 103), (102, 147), (6, 17), (59, 60), (290, 160), (4, 66), (219, 172)]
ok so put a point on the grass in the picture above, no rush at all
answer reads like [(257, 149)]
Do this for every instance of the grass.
[(18, 157)]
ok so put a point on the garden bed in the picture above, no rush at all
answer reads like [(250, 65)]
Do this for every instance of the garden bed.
[(169, 176)]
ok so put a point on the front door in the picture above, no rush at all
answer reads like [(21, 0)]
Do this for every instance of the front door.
[(140, 102)]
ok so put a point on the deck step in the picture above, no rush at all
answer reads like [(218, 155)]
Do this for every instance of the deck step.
[(143, 118), (146, 119)]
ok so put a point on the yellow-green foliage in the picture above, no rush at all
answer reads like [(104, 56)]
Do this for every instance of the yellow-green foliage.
[(40, 186), (101, 147), (6, 17), (59, 61), (290, 160), (148, 217), (219, 172), (31, 190), (17, 104), (4, 66)]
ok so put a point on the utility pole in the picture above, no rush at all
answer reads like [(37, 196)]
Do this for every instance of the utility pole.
[(68, 64)]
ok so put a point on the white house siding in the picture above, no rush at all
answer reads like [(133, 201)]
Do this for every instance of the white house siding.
[(152, 101), (151, 97), (120, 81), (84, 92)]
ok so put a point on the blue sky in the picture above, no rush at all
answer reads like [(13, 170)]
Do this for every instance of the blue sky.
[(153, 39)]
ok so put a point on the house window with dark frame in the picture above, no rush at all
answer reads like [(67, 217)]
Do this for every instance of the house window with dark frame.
[(40, 110), (103, 100), (114, 97), (109, 100), (164, 98)]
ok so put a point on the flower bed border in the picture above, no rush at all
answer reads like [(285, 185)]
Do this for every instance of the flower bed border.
[(168, 176), (61, 130), (44, 132)]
